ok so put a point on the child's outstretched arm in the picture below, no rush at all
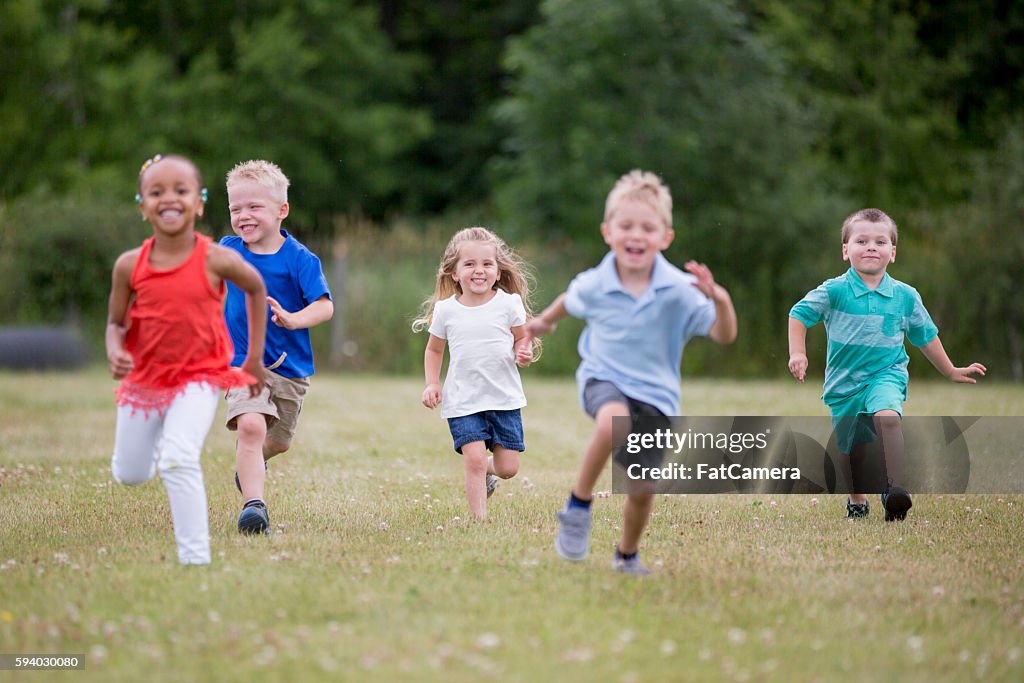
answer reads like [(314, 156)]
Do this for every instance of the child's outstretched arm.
[(936, 354), (432, 358), (797, 349), (547, 321), (229, 265), (319, 311), (119, 360), (723, 330)]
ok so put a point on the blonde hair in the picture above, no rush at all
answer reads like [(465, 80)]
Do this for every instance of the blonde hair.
[(265, 174), (641, 186), (514, 276), (871, 216)]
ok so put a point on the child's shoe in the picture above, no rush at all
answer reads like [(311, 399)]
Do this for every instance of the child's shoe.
[(492, 483), (896, 501), (254, 518), (630, 566), (238, 484), (573, 540), (857, 510)]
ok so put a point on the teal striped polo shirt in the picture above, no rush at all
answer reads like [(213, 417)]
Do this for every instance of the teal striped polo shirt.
[(866, 330)]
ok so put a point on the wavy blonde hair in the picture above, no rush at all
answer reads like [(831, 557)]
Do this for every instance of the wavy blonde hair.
[(515, 276)]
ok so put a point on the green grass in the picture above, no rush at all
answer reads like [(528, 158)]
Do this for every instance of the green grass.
[(375, 572)]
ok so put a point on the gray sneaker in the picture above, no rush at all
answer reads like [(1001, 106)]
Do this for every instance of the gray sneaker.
[(492, 483), (573, 540), (631, 566)]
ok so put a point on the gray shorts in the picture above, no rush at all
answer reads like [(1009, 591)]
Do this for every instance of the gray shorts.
[(280, 403)]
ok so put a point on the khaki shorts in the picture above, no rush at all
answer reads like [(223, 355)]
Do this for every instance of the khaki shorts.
[(280, 403)]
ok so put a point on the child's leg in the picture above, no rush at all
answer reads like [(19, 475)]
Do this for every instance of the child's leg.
[(635, 513), (890, 431), (252, 431), (596, 453), (474, 460), (504, 463), (135, 441), (846, 464)]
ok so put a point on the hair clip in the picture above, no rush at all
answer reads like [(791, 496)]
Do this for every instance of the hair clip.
[(204, 195), (138, 198), (149, 162)]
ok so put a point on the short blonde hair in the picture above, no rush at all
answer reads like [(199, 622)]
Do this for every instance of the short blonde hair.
[(641, 186), (264, 173), (871, 216)]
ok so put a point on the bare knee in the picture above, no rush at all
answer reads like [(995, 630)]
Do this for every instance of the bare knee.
[(506, 469), (272, 448), (252, 427)]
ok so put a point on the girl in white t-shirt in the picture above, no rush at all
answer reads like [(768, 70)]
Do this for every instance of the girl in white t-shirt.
[(479, 308)]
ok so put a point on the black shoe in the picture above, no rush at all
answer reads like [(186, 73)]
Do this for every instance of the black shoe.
[(896, 501), (857, 510), (254, 518)]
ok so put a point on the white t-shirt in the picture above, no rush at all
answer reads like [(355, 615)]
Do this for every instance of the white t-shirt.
[(482, 372)]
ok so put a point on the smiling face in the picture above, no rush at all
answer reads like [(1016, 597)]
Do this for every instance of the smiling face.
[(476, 271), (170, 195), (636, 233), (869, 248), (255, 215)]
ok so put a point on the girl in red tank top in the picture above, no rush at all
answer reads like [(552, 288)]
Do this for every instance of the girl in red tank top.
[(168, 344)]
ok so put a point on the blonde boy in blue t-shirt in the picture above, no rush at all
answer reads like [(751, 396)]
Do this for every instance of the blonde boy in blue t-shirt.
[(640, 311), (867, 315)]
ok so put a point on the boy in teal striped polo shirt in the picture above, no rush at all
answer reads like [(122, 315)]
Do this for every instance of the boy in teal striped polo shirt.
[(867, 315)]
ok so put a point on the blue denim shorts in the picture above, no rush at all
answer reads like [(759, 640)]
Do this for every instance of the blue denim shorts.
[(494, 427)]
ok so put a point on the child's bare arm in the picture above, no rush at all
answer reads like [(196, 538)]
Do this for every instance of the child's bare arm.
[(547, 321), (229, 265), (724, 329), (432, 358), (523, 346), (938, 357), (119, 360), (312, 315), (797, 349)]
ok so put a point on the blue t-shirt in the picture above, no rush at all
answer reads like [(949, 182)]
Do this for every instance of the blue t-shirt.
[(866, 329), (637, 343), (294, 277)]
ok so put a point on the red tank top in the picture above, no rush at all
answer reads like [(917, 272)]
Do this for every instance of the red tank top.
[(176, 332)]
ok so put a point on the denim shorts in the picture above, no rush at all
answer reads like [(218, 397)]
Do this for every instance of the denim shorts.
[(494, 427), (598, 392)]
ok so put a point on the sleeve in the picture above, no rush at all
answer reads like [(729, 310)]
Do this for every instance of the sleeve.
[(813, 308), (516, 311), (920, 328), (312, 280), (700, 313), (437, 321), (578, 294)]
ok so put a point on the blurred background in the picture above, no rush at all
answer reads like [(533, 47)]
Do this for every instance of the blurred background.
[(401, 122)]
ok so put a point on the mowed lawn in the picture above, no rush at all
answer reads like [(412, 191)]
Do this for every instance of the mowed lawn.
[(374, 572)]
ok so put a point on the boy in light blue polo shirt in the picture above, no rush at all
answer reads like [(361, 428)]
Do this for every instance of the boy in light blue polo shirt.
[(640, 311), (867, 314)]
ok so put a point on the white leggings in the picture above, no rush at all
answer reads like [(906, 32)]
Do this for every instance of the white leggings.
[(173, 443)]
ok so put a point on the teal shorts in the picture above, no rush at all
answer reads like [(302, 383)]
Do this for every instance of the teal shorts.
[(851, 415)]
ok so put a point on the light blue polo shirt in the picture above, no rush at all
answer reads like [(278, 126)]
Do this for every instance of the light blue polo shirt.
[(637, 343), (866, 330)]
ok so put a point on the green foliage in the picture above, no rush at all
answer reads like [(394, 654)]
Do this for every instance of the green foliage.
[(58, 256)]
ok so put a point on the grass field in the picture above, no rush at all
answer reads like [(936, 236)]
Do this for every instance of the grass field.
[(374, 572)]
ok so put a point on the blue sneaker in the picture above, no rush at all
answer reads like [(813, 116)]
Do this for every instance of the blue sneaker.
[(492, 483), (896, 500), (632, 566), (238, 484), (857, 510), (254, 518), (573, 540)]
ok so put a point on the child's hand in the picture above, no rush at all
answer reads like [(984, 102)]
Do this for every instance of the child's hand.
[(432, 396), (798, 365), (705, 280), (121, 363), (963, 375), (279, 316), (255, 368), (524, 352), (538, 327)]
